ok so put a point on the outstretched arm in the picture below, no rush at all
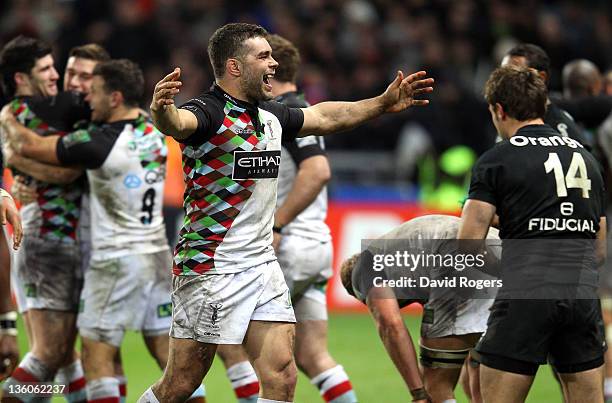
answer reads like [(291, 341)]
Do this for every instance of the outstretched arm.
[(396, 338), (178, 123), (332, 117)]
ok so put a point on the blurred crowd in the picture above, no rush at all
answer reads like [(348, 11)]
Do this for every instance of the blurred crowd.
[(350, 48)]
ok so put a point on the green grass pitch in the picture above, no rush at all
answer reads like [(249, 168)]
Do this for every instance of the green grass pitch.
[(353, 342)]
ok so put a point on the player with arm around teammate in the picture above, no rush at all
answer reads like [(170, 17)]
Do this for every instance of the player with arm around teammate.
[(127, 285)]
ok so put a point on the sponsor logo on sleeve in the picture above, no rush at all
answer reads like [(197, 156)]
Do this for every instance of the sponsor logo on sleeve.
[(77, 137), (164, 310), (256, 164)]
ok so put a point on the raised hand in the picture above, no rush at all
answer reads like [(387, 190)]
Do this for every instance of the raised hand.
[(166, 89), (400, 94)]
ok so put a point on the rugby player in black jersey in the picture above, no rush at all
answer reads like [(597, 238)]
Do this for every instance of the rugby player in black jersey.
[(533, 56), (545, 188)]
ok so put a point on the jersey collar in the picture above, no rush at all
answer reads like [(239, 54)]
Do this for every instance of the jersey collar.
[(535, 130), (219, 92)]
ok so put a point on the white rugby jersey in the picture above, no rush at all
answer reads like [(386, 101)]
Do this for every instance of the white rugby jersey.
[(126, 169), (432, 226), (230, 166), (310, 223)]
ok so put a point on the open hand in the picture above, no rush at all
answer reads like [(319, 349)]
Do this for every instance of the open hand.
[(9, 212), (401, 92), (166, 89)]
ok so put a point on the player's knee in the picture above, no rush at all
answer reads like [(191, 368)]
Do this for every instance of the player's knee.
[(54, 355), (283, 373)]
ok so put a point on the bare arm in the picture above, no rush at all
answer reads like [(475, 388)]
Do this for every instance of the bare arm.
[(331, 117), (313, 173), (178, 123), (26, 142), (475, 219), (6, 302), (395, 337), (9, 350), (43, 172)]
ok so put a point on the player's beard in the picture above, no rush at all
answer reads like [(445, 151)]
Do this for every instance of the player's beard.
[(251, 85)]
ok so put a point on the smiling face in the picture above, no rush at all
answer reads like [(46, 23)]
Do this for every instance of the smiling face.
[(43, 77), (99, 100), (79, 74), (258, 67)]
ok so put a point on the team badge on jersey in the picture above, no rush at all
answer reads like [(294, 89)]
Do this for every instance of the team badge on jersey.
[(256, 164)]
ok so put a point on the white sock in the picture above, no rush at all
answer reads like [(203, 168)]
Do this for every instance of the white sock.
[(244, 382), (148, 397), (73, 377), (106, 388), (608, 387), (30, 369), (261, 400), (450, 401), (334, 386)]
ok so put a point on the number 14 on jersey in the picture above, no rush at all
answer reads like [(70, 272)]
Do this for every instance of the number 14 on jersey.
[(576, 177)]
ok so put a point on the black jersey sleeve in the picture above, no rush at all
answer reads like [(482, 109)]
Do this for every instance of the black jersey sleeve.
[(485, 177), (89, 147), (291, 119), (303, 148), (209, 116), (62, 111)]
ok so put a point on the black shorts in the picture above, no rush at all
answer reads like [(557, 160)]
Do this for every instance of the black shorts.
[(523, 334)]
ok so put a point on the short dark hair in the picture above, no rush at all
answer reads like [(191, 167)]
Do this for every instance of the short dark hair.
[(228, 42), (122, 75), (519, 90), (90, 51), (346, 273), (20, 56), (287, 56), (535, 56)]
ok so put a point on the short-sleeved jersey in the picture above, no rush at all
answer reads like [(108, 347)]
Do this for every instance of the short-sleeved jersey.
[(434, 230), (310, 223), (548, 190), (230, 167), (126, 169), (538, 176), (55, 214)]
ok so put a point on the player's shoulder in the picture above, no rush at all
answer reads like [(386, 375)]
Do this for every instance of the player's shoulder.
[(207, 101), (497, 153)]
